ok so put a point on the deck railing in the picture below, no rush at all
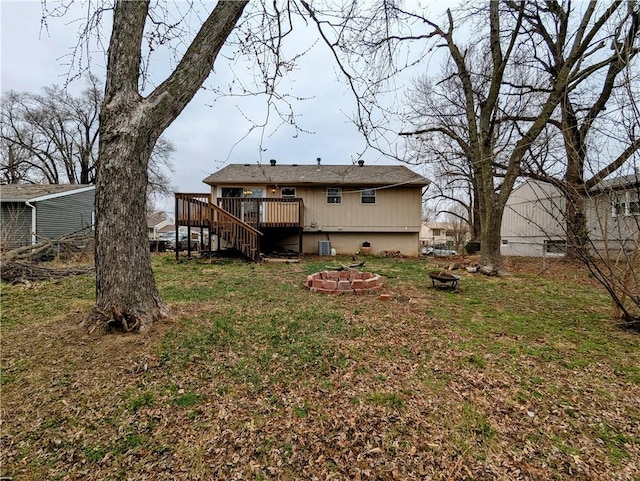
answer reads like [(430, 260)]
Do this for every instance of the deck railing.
[(261, 212), (237, 220), (193, 209)]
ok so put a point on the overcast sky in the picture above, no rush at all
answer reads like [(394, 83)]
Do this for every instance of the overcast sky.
[(206, 137)]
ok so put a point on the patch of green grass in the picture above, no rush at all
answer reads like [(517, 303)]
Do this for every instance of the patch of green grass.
[(385, 399), (48, 300), (474, 424), (302, 411), (248, 347), (188, 399), (614, 441), (145, 399), (94, 454)]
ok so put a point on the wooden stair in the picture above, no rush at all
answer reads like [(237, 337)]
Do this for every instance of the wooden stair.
[(240, 235), (198, 210)]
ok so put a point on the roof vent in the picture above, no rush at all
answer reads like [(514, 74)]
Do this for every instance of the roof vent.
[(273, 162), (318, 160), (361, 162)]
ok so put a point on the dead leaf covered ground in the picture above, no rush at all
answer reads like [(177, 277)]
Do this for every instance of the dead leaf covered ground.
[(255, 378)]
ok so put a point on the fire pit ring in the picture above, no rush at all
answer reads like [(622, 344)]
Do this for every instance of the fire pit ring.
[(343, 282)]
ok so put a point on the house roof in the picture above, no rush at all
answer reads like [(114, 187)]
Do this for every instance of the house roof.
[(617, 183), (366, 175), (439, 225), (156, 218), (37, 192)]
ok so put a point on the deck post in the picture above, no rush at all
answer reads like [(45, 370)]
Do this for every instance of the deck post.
[(189, 230), (175, 216)]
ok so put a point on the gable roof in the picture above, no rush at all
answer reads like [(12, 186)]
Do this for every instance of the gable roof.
[(38, 192), (366, 175), (617, 183), (156, 218)]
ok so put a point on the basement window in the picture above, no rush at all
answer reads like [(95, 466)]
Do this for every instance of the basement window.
[(334, 195), (558, 247)]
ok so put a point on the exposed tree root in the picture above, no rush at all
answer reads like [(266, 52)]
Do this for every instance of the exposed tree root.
[(117, 319)]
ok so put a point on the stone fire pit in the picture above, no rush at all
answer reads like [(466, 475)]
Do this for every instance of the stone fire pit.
[(343, 282)]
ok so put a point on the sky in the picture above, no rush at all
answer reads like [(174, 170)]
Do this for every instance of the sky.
[(207, 135)]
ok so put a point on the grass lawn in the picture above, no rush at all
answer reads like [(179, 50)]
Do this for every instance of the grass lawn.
[(255, 378)]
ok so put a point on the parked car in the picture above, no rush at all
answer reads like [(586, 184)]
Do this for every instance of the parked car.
[(439, 250), (170, 239)]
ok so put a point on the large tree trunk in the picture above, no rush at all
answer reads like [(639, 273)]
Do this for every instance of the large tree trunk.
[(490, 256), (126, 294)]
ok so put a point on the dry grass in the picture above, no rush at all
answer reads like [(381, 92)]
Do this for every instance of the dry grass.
[(255, 378)]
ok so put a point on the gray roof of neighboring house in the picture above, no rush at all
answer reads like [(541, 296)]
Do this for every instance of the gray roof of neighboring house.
[(28, 192), (373, 175), (617, 183)]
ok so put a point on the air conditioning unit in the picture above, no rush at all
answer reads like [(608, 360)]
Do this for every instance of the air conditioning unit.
[(324, 248)]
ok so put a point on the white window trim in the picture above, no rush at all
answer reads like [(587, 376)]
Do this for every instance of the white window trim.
[(374, 196), (337, 189)]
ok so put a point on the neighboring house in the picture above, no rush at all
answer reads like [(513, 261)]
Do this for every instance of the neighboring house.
[(446, 233), (534, 225), (309, 209), (30, 212), (158, 223)]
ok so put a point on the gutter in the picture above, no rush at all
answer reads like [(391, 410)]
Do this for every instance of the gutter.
[(34, 239)]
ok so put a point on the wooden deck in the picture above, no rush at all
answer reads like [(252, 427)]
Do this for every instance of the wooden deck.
[(237, 220)]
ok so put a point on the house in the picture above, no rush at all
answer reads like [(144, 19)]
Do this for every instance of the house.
[(534, 224), (157, 223), (309, 209), (450, 234), (30, 212)]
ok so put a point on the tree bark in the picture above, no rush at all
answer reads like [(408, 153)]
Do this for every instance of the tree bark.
[(126, 294)]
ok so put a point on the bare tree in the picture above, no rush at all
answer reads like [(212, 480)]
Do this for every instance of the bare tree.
[(52, 138), (130, 126), (57, 132), (611, 251), (598, 107), (505, 102)]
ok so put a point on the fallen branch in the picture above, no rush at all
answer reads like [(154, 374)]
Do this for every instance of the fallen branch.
[(342, 267), (20, 272), (67, 242)]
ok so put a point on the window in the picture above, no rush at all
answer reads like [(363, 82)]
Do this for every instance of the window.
[(555, 246), (334, 195), (618, 207), (633, 203), (368, 196), (627, 203), (288, 192)]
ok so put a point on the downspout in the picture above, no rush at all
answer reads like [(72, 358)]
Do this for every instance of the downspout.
[(34, 239)]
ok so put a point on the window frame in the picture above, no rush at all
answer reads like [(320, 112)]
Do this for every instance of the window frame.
[(336, 195), (372, 195), (558, 247), (287, 196)]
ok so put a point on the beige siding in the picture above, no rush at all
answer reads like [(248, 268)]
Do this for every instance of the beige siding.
[(395, 210), (609, 233), (350, 243), (533, 214), (392, 223)]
